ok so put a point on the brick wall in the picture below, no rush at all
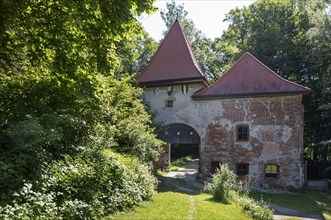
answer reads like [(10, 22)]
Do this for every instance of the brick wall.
[(275, 131), (275, 137)]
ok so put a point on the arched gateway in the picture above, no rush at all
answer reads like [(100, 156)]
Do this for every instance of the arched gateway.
[(250, 119), (180, 134), (181, 140)]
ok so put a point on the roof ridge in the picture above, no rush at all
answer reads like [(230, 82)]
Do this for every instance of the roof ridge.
[(212, 85), (194, 59), (157, 51), (181, 51), (269, 74), (273, 72)]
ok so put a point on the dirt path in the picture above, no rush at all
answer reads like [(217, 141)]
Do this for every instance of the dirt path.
[(185, 180)]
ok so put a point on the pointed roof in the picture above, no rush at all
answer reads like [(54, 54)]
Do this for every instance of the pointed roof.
[(250, 77), (173, 61)]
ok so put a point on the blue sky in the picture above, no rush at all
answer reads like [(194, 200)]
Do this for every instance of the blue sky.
[(207, 15)]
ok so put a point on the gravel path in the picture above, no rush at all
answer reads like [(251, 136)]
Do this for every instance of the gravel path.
[(185, 180)]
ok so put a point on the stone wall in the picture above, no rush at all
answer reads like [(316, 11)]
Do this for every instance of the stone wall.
[(275, 128), (276, 137)]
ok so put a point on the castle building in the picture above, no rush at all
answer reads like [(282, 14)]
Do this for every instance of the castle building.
[(251, 118)]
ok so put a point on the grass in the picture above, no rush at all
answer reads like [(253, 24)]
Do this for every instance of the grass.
[(171, 204), (180, 162), (174, 205), (310, 203), (207, 208)]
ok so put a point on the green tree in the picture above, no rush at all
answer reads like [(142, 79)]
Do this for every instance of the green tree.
[(63, 87), (273, 31), (319, 116), (57, 61), (135, 53)]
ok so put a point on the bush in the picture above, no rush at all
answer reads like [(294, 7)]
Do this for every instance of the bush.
[(87, 186), (257, 210), (225, 188), (223, 184)]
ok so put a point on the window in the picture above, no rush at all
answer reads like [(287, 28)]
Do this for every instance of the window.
[(271, 170), (215, 165), (242, 169), (170, 103), (242, 133)]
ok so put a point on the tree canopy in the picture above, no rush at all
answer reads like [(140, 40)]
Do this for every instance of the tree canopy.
[(66, 94)]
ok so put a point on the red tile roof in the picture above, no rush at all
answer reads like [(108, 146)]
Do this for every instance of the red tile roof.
[(250, 77), (173, 61)]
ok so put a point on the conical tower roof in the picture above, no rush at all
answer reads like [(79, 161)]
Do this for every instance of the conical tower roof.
[(173, 62), (250, 77)]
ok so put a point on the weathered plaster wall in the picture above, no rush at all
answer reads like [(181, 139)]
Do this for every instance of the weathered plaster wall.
[(275, 125), (276, 137)]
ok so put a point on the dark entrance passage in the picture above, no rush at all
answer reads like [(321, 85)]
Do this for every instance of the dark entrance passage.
[(183, 150), (184, 141)]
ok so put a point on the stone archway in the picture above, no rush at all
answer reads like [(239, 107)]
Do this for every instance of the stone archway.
[(181, 138)]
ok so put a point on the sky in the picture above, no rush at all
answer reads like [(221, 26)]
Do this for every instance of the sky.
[(207, 16)]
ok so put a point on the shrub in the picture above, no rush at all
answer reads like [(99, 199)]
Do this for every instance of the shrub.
[(87, 186), (223, 184), (256, 209), (225, 188)]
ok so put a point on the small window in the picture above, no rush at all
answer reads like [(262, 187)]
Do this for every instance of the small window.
[(242, 133), (242, 169), (215, 165), (271, 170), (170, 103)]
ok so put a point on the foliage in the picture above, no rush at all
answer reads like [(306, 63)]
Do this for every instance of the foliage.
[(319, 114), (223, 184), (86, 186), (309, 203), (225, 188), (256, 209), (65, 93)]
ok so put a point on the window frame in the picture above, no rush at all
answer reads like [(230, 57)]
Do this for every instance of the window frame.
[(246, 169), (271, 174), (242, 133)]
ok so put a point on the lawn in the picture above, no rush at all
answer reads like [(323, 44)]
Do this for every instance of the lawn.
[(175, 205), (171, 204), (311, 202)]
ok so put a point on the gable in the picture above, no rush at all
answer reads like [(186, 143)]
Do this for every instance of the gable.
[(250, 77), (173, 61)]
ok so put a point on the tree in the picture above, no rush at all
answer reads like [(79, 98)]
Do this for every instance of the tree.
[(63, 90), (319, 119), (135, 53), (272, 30)]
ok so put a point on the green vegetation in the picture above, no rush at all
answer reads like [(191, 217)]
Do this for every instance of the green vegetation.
[(177, 205), (308, 203), (225, 189), (180, 162), (88, 185), (66, 94)]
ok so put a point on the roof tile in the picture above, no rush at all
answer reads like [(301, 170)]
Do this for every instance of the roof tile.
[(249, 77), (173, 61)]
